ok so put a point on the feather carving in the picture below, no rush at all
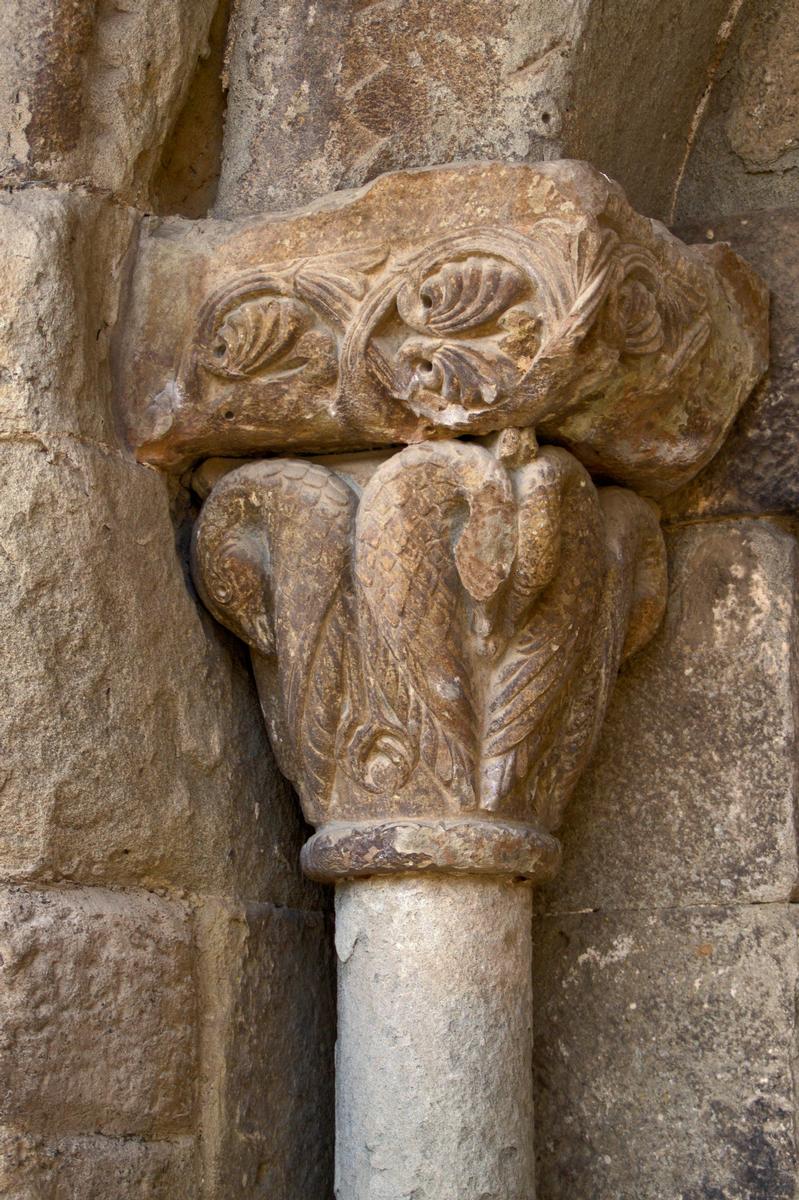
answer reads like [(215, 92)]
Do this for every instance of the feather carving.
[(270, 557)]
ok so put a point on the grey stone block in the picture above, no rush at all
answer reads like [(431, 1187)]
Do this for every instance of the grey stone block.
[(690, 798), (665, 1048), (267, 982), (745, 152), (329, 96)]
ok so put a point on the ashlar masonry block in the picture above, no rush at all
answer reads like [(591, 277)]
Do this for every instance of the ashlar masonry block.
[(97, 1011), (665, 1048), (690, 797)]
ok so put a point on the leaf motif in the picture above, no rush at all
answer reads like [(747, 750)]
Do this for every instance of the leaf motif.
[(460, 295), (581, 280), (254, 335), (458, 372)]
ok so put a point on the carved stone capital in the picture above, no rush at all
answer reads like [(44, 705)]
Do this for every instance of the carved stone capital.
[(437, 303), (435, 631), (434, 653)]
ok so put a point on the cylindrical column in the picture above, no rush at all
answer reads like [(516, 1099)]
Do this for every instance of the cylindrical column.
[(434, 1056)]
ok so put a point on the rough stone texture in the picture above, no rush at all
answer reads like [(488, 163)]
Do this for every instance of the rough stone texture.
[(267, 986), (378, 317), (188, 173), (746, 152), (691, 796), (95, 1168), (638, 80), (757, 468), (62, 263), (90, 90), (97, 1013), (665, 1047), (116, 770), (134, 753), (433, 1060), (325, 96)]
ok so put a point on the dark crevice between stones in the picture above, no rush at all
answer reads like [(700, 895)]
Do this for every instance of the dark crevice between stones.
[(187, 178)]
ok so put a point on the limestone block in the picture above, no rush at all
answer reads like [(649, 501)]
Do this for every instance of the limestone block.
[(665, 1045), (96, 1012), (690, 797), (62, 259), (757, 468), (95, 1168), (325, 96), (268, 992), (89, 91), (746, 153), (134, 749)]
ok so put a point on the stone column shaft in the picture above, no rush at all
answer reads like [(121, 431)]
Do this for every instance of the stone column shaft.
[(434, 1092)]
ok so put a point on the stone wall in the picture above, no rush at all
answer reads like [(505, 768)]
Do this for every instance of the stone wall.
[(667, 960), (166, 1007), (166, 1004)]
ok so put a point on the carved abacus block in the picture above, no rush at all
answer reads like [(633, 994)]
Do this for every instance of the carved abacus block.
[(436, 303)]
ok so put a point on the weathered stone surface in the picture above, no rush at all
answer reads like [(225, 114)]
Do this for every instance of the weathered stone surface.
[(757, 468), (665, 1047), (639, 79), (96, 1012), (95, 1168), (746, 153), (267, 1036), (89, 91), (325, 96), (62, 258), (378, 317), (188, 174), (401, 680), (433, 1058), (133, 747), (691, 796)]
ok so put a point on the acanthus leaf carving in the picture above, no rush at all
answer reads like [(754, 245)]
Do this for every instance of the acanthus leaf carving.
[(460, 295)]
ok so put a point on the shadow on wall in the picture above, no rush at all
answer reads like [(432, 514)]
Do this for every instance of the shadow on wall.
[(187, 178)]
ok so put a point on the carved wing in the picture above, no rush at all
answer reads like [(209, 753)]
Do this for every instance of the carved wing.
[(413, 594), (553, 600), (630, 610), (270, 557)]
